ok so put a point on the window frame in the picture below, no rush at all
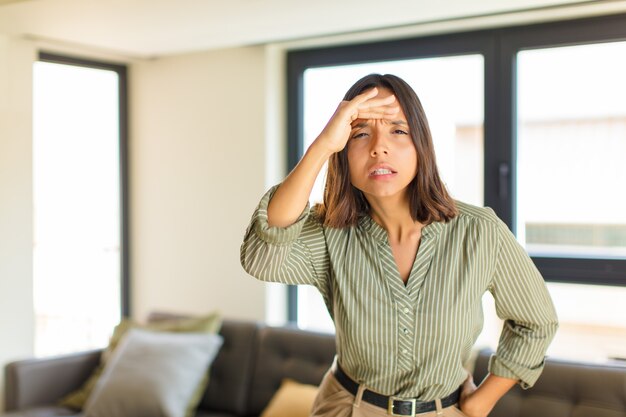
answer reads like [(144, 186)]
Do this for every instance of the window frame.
[(499, 47), (122, 73)]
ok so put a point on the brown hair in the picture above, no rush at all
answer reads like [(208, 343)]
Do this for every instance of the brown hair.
[(429, 200)]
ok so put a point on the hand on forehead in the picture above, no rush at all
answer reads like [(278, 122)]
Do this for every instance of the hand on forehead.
[(375, 104)]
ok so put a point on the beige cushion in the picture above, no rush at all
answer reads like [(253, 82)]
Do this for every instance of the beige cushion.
[(152, 374), (292, 399), (209, 323)]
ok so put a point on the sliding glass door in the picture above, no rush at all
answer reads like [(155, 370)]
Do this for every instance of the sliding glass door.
[(80, 274)]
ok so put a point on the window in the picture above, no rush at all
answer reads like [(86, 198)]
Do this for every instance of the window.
[(550, 138), (80, 261), (569, 69), (564, 128)]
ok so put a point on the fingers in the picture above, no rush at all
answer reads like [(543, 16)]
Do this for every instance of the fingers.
[(366, 95), (469, 386), (367, 99), (377, 102), (375, 115), (378, 108), (378, 112), (370, 107)]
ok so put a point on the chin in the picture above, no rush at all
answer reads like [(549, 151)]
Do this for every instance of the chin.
[(381, 190), (382, 193)]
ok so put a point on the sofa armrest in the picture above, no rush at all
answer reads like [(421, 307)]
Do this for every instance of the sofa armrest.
[(44, 381)]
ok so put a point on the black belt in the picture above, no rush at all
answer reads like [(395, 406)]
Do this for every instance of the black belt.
[(394, 406)]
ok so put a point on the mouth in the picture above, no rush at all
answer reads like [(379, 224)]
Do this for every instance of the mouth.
[(380, 171)]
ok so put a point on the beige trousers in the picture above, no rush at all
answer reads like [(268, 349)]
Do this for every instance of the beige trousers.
[(333, 400)]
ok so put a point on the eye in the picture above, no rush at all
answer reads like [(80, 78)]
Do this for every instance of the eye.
[(359, 135), (400, 132)]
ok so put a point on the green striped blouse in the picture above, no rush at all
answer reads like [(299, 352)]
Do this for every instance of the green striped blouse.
[(411, 340)]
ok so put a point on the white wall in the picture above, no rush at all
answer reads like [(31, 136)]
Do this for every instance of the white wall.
[(197, 170), (16, 205), (197, 165)]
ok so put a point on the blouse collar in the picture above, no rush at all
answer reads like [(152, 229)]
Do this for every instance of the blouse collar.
[(379, 233)]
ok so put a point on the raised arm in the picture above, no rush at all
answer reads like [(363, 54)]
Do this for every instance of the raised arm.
[(293, 194), (283, 243)]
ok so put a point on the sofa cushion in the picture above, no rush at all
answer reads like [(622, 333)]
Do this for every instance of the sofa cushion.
[(565, 389), (288, 353), (209, 323), (292, 399), (153, 374)]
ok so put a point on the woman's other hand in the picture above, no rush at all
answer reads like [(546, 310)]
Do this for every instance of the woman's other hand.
[(467, 403), (364, 106), (478, 402)]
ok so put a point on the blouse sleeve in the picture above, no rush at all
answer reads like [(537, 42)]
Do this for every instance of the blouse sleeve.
[(296, 254), (523, 302)]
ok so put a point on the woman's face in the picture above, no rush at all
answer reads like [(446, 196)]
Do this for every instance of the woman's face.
[(381, 155)]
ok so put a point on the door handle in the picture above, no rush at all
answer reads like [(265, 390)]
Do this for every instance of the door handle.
[(503, 180)]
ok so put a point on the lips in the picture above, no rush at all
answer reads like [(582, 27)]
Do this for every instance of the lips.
[(381, 169)]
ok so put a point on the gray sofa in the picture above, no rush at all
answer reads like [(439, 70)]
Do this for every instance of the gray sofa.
[(247, 371), (564, 389), (255, 358)]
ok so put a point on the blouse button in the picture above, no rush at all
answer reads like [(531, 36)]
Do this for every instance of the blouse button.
[(405, 331), (406, 310)]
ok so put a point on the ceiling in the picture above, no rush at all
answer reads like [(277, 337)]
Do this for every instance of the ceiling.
[(152, 28)]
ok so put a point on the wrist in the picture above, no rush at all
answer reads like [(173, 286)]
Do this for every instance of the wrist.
[(320, 148)]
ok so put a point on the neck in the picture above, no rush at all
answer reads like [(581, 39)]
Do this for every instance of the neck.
[(394, 215)]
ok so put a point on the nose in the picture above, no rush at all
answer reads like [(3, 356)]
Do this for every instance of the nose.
[(378, 145)]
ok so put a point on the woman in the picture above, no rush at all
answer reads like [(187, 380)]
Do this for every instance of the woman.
[(401, 265)]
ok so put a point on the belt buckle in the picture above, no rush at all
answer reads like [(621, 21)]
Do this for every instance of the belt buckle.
[(390, 406)]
